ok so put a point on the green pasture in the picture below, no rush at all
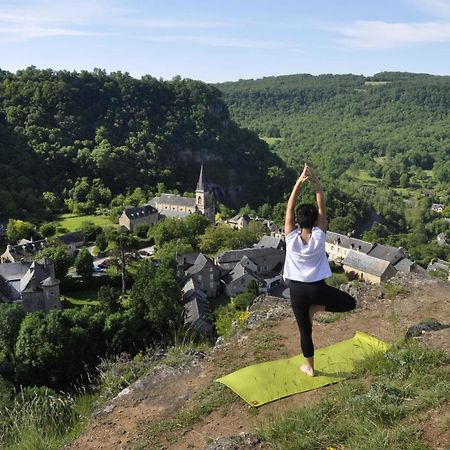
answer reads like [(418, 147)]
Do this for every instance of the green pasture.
[(73, 222), (270, 140), (363, 175), (82, 297)]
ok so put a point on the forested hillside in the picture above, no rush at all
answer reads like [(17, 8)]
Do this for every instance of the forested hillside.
[(380, 144), (339, 120), (86, 137)]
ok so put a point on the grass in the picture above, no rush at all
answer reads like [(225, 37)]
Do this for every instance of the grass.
[(337, 278), (363, 175), (73, 222), (44, 422), (87, 296), (376, 83), (264, 343), (391, 290), (376, 409), (326, 317), (270, 140)]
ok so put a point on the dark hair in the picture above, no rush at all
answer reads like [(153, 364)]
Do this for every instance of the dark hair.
[(306, 215)]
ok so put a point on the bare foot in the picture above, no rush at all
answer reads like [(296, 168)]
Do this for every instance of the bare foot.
[(305, 368)]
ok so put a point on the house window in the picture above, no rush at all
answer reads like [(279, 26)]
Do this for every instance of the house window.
[(211, 276), (212, 285), (199, 278)]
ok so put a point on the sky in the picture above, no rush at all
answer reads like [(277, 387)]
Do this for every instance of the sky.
[(226, 40)]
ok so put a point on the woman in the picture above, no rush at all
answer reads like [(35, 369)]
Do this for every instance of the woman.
[(306, 265)]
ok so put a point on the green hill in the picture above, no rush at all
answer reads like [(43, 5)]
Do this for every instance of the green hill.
[(60, 131)]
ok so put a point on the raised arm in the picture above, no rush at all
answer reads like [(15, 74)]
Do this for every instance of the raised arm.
[(322, 221), (289, 221)]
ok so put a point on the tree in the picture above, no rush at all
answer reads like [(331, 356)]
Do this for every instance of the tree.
[(404, 180), (90, 230), (141, 230), (19, 229), (50, 199), (47, 229), (84, 263), (342, 225), (156, 295), (11, 316), (109, 299), (123, 242), (60, 256), (101, 241), (168, 252)]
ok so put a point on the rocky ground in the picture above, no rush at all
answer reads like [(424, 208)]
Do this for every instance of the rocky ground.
[(271, 333)]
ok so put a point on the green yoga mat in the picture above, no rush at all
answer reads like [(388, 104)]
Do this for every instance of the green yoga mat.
[(265, 382)]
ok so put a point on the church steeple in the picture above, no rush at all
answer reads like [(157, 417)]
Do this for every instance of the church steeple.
[(201, 181)]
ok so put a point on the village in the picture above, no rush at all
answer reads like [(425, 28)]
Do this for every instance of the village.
[(33, 283)]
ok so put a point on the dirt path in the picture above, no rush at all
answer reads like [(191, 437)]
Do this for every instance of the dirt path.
[(160, 397)]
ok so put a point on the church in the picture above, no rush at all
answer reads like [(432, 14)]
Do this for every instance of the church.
[(176, 206)]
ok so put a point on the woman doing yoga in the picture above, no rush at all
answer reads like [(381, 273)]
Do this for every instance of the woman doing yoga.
[(306, 265)]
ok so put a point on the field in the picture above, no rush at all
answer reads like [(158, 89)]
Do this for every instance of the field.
[(270, 140), (72, 222), (83, 297)]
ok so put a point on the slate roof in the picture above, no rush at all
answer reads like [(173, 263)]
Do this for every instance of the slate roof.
[(366, 263), (270, 242), (404, 265), (344, 241), (238, 271), (172, 200), (201, 181), (27, 249), (139, 211), (438, 264), (174, 214), (200, 263), (387, 253), (15, 270), (71, 238), (187, 258), (236, 255), (20, 275), (246, 217), (195, 302), (36, 272)]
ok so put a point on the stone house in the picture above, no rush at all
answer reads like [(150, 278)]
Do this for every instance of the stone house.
[(237, 280), (205, 274), (239, 221), (132, 216), (271, 242), (387, 253), (368, 268), (73, 241), (185, 261), (196, 309), (177, 206), (268, 260), (337, 246), (438, 264), (33, 284), (24, 250), (437, 207), (442, 239)]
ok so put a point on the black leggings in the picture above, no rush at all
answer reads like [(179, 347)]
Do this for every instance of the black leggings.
[(303, 295)]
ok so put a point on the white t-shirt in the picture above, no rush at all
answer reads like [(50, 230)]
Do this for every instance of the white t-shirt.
[(306, 262)]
